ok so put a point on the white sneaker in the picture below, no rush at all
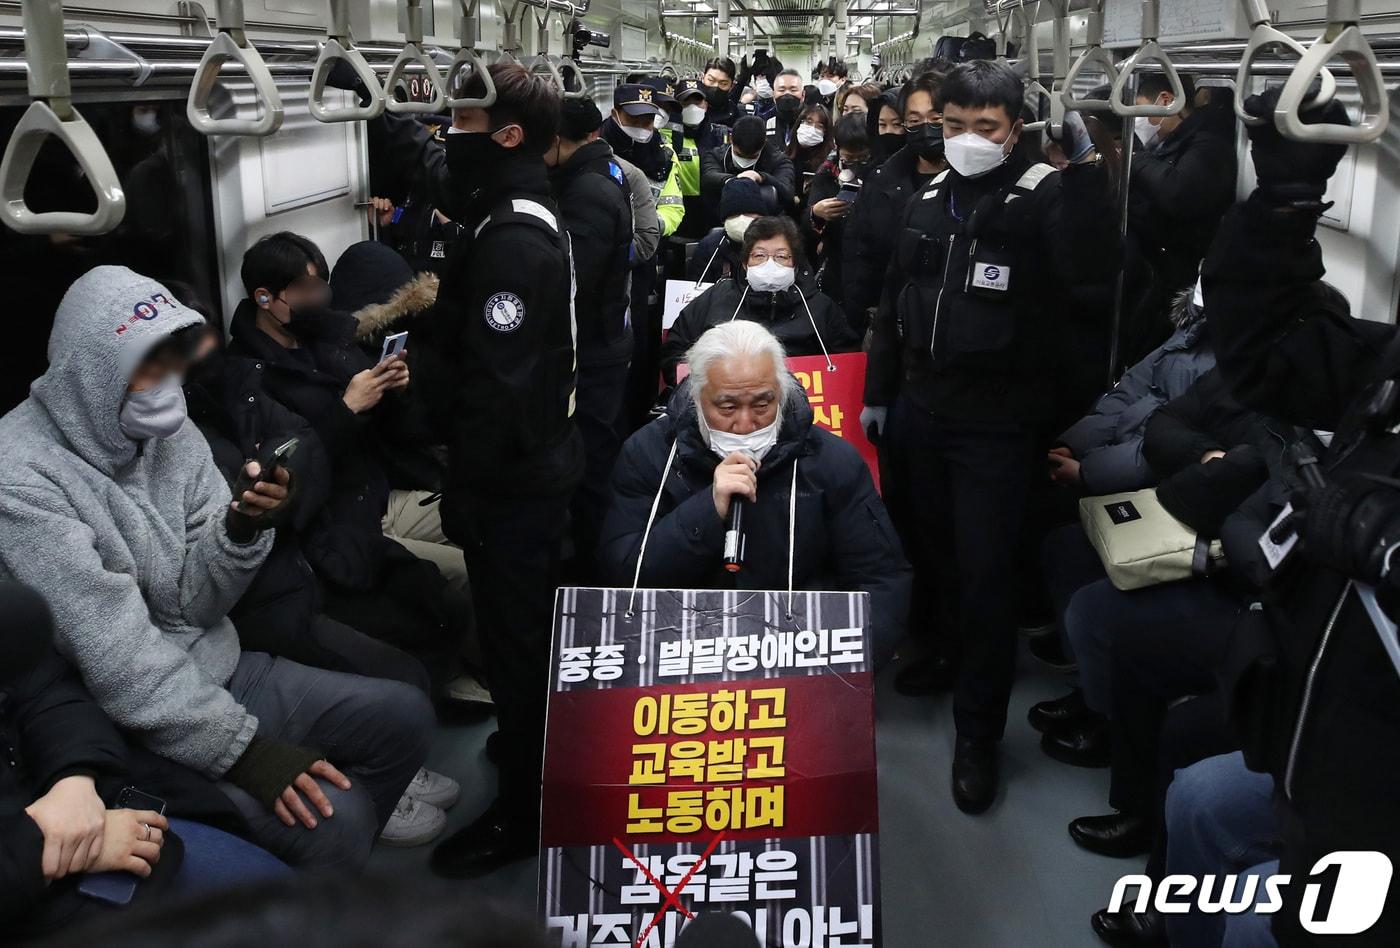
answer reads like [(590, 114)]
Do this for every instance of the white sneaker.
[(437, 789), (413, 823), (465, 688)]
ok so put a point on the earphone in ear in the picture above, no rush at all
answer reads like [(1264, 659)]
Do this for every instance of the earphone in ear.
[(264, 298)]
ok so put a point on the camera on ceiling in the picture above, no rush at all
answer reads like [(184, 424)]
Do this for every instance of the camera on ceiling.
[(584, 37)]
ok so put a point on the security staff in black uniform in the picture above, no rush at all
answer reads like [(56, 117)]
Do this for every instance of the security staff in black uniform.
[(954, 364), (596, 203), (503, 383)]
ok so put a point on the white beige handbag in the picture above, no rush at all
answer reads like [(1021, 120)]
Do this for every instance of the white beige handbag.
[(1141, 544)]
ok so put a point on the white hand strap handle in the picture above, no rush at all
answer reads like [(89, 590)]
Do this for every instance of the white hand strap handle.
[(1263, 36), (339, 46), (232, 44), (1342, 38), (413, 53), (52, 113), (1095, 55), (1148, 52)]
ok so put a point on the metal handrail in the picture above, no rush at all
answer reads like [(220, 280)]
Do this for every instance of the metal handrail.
[(231, 44), (1341, 38), (338, 45), (1149, 51), (413, 53), (468, 56), (52, 113)]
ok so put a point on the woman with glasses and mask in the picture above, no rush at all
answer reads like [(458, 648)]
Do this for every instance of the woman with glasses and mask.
[(776, 290)]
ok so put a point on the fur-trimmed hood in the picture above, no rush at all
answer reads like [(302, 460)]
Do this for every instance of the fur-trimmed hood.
[(412, 298)]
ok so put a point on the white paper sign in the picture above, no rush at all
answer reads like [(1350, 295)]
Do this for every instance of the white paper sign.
[(679, 293)]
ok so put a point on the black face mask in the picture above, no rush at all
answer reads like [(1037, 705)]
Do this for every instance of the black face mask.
[(887, 143), (472, 158), (208, 372), (717, 96), (926, 140), (788, 105), (856, 168)]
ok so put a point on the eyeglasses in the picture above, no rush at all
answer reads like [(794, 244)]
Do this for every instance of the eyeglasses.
[(759, 257)]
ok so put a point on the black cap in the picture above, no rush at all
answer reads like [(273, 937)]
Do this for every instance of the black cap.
[(578, 118), (689, 87), (663, 88), (636, 99)]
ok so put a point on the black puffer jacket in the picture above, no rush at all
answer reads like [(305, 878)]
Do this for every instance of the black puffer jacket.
[(346, 543), (783, 314), (843, 538), (870, 231), (717, 167), (596, 205)]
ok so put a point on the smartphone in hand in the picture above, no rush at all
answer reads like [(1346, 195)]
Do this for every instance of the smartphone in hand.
[(119, 888), (393, 345), (267, 469)]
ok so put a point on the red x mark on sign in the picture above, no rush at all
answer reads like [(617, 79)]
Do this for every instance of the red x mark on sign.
[(669, 897)]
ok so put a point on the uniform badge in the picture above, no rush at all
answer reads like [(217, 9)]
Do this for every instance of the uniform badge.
[(505, 312)]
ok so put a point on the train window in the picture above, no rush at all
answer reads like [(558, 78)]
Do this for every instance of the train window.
[(167, 232)]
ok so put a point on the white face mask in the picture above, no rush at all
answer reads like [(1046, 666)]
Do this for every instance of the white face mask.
[(770, 276), (693, 114), (809, 136), (763, 88), (1146, 131), (827, 86), (971, 155), (639, 135), (741, 162), (156, 412), (756, 444), (147, 123), (736, 227), (658, 121)]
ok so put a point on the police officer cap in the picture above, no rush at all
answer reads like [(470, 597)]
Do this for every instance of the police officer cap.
[(636, 99), (663, 89), (579, 118), (688, 88)]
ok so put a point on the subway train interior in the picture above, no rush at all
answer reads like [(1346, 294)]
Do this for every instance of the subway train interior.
[(398, 448)]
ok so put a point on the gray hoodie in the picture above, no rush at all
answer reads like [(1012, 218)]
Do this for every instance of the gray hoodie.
[(126, 541)]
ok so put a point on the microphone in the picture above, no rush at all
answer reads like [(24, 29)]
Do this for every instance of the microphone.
[(734, 535), (734, 542)]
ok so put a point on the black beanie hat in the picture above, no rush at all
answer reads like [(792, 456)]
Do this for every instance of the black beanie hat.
[(578, 119), (367, 274), (742, 196)]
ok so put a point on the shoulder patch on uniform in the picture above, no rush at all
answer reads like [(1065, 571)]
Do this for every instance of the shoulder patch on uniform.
[(505, 312)]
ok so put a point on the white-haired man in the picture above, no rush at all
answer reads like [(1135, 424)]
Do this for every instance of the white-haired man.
[(741, 427)]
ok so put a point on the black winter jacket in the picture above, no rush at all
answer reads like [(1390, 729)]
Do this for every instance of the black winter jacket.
[(714, 258), (1180, 190), (1316, 699), (783, 314), (345, 544), (717, 167), (50, 728), (844, 539), (597, 208), (870, 231)]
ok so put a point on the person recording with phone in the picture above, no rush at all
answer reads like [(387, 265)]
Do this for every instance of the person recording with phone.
[(831, 198), (739, 431), (116, 514), (1315, 667)]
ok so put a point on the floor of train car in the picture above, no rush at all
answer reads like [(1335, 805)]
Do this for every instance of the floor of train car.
[(1008, 878)]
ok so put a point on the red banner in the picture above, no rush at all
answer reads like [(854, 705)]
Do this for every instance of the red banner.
[(837, 399)]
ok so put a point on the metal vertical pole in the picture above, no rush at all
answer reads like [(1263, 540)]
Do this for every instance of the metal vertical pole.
[(1120, 301)]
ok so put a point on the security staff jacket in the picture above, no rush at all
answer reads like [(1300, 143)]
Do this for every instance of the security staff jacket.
[(977, 275)]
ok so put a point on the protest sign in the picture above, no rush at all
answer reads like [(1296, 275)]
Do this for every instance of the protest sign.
[(679, 293), (837, 399)]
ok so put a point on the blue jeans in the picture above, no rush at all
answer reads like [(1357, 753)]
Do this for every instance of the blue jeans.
[(1250, 929), (1220, 819), (216, 860)]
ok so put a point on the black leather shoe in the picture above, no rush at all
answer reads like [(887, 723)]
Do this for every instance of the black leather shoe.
[(930, 675), (1116, 834), (1130, 929), (1049, 650), (975, 774), (1059, 712), (492, 841), (1082, 743)]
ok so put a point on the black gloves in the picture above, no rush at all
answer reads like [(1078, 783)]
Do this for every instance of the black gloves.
[(1291, 172), (1349, 527), (342, 76), (268, 767)]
